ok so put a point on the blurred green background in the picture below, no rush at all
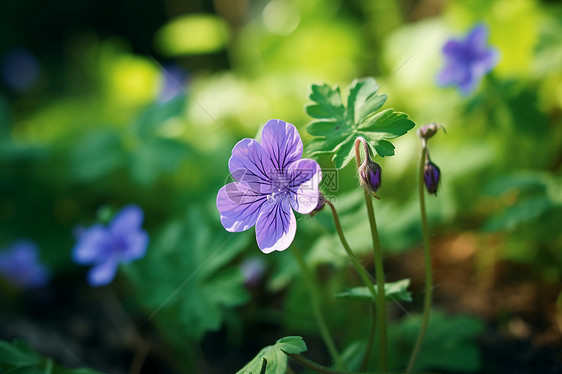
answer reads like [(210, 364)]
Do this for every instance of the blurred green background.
[(105, 103)]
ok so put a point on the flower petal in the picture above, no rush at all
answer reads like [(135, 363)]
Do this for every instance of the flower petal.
[(94, 244), (128, 220), (276, 226), (249, 164), (454, 50), (102, 273), (282, 143), (476, 39), (239, 206), (305, 176), (136, 246)]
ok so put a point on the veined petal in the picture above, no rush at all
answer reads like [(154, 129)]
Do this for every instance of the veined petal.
[(103, 272), (94, 243), (276, 226), (282, 143), (239, 206), (250, 164), (128, 220), (305, 176)]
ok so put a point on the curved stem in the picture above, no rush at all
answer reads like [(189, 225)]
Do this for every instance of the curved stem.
[(315, 300), (428, 275), (354, 259), (379, 270)]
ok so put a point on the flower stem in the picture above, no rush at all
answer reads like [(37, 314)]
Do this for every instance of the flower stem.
[(428, 275), (379, 271), (315, 299)]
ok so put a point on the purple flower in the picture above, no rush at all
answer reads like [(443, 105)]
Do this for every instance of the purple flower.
[(122, 240), (467, 61), (271, 181), (20, 265)]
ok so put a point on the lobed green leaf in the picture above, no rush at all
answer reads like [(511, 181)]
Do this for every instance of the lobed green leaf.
[(393, 291), (273, 357), (337, 126)]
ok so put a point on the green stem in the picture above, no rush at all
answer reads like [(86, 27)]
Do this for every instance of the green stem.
[(379, 271), (427, 256), (370, 340), (362, 273), (354, 259), (315, 299)]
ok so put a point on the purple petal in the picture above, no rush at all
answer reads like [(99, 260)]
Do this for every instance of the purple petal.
[(102, 273), (276, 226), (305, 177), (250, 164), (20, 265), (485, 62), (136, 246), (454, 50), (94, 244), (128, 220), (451, 74), (239, 206), (476, 39), (282, 143)]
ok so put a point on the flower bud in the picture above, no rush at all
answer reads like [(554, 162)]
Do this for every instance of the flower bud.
[(431, 177), (370, 175), (427, 131), (319, 205)]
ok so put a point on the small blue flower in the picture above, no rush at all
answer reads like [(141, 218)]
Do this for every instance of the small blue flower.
[(467, 61), (123, 240), (20, 265)]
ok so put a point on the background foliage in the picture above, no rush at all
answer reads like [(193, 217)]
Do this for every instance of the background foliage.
[(142, 104)]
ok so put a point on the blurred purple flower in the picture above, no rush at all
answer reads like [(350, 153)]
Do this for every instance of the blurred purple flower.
[(252, 269), (173, 81), (20, 265), (123, 240), (271, 180), (467, 61), (20, 69)]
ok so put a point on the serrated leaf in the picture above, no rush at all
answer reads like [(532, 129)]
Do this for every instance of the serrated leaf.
[(328, 103), (275, 356), (359, 91), (344, 153), (387, 124), (339, 126), (188, 261), (393, 291), (373, 103)]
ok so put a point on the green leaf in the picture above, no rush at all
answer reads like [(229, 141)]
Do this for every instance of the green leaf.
[(274, 356), (339, 126), (18, 354), (393, 291), (449, 344), (387, 124), (328, 103), (186, 278)]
